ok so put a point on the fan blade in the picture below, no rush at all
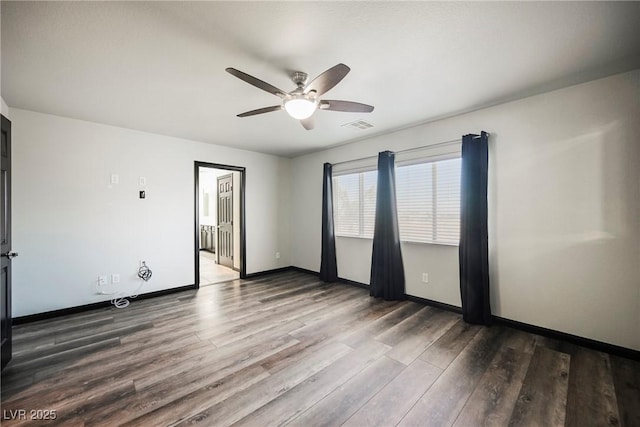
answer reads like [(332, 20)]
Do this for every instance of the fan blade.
[(307, 123), (327, 80), (348, 106), (261, 111), (257, 82)]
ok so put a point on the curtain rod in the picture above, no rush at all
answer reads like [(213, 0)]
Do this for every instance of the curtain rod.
[(402, 151)]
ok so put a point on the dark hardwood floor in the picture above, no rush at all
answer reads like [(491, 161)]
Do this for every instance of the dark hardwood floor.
[(288, 349)]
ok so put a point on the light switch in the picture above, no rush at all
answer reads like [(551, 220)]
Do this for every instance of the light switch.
[(115, 178), (142, 180)]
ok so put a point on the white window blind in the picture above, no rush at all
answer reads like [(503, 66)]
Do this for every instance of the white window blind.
[(354, 198), (369, 191), (427, 197)]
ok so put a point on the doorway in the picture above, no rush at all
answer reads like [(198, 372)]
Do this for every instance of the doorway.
[(219, 223)]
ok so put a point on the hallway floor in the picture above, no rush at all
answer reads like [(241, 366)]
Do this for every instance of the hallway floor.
[(210, 272)]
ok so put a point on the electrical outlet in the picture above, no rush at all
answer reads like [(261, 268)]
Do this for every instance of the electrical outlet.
[(102, 280), (425, 277), (277, 255), (115, 278)]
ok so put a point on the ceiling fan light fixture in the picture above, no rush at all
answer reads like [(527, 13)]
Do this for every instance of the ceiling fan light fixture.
[(302, 102), (300, 107)]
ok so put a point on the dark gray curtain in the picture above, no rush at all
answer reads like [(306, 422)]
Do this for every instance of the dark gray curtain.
[(387, 271), (474, 251), (328, 266)]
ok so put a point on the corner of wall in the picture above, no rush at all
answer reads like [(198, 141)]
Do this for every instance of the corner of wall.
[(5, 108)]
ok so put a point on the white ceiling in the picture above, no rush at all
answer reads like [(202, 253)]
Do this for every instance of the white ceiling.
[(159, 66)]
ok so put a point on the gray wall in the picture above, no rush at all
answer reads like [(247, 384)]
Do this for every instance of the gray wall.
[(564, 203), (71, 225)]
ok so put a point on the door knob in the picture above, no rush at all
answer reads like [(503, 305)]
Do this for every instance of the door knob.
[(10, 254)]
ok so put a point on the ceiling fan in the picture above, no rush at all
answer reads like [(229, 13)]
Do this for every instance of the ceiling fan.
[(303, 101)]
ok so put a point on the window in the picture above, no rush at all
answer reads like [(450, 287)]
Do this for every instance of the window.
[(428, 198), (428, 201), (354, 199)]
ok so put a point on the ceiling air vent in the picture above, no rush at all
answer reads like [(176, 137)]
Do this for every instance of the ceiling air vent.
[(358, 124)]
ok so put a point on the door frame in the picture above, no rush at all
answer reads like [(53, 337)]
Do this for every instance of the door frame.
[(242, 227)]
